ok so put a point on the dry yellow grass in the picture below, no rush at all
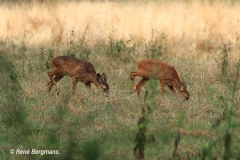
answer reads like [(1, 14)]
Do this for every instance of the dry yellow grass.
[(46, 23)]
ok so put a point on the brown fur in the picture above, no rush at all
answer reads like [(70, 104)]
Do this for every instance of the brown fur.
[(166, 74), (78, 70)]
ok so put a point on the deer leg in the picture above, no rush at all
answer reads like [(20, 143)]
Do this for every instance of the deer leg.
[(51, 83), (162, 87), (88, 86), (140, 73), (50, 75), (132, 75), (74, 83), (140, 84)]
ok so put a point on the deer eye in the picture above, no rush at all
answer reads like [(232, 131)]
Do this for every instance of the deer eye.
[(105, 87)]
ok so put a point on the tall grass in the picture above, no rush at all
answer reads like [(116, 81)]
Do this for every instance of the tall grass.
[(50, 23)]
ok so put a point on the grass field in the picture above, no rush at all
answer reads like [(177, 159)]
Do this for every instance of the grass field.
[(199, 38)]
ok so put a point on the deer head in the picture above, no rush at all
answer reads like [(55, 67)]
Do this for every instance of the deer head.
[(183, 91), (102, 84)]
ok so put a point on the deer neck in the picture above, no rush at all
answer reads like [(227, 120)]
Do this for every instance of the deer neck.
[(177, 84), (95, 81)]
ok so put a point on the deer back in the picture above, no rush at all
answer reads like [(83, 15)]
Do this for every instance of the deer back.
[(158, 69), (82, 70), (165, 73)]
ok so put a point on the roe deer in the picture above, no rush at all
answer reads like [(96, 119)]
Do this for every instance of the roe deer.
[(162, 71), (78, 70)]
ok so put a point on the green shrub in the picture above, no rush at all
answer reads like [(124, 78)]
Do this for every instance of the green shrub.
[(156, 47), (120, 49)]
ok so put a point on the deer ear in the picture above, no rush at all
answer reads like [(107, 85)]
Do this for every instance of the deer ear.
[(99, 77), (104, 78)]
